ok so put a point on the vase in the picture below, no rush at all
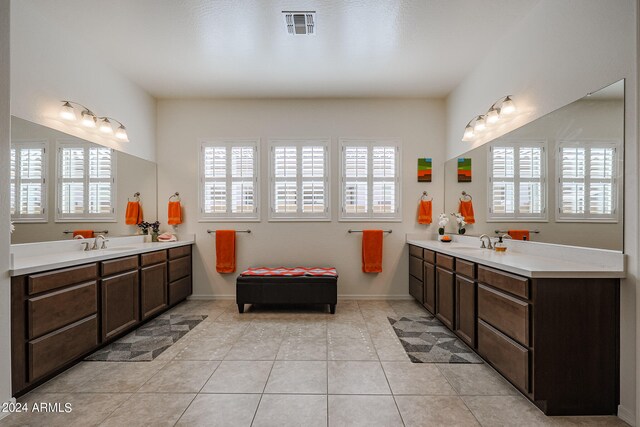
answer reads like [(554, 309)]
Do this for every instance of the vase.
[(461, 231), (441, 231), (154, 236)]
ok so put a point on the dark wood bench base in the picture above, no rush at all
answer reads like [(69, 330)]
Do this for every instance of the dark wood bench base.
[(287, 290)]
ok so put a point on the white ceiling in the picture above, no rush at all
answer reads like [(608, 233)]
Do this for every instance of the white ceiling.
[(240, 48)]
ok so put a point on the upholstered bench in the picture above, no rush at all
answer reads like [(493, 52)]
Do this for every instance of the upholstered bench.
[(281, 285)]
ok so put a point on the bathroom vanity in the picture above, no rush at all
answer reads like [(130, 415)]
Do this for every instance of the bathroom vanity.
[(66, 305), (549, 325)]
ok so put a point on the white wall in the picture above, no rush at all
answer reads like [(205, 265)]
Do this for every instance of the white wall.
[(5, 135), (419, 123), (48, 65), (561, 51)]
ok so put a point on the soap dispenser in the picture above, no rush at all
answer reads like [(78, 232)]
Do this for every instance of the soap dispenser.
[(500, 246)]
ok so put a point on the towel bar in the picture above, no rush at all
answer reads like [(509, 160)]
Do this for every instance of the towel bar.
[(237, 231), (94, 231), (360, 231), (507, 231)]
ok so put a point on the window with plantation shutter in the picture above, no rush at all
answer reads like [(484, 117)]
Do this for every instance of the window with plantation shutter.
[(370, 180), (229, 180), (299, 180), (587, 181), (28, 191), (86, 176), (517, 184)]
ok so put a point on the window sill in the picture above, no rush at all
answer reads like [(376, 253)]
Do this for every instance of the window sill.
[(83, 220), (30, 221), (516, 220), (205, 220), (370, 220), (299, 219)]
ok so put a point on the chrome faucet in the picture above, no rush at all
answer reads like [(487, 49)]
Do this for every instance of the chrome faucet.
[(489, 245), (95, 242), (86, 246)]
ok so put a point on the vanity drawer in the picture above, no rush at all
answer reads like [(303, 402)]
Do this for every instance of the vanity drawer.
[(508, 357), (153, 258), (465, 268), (415, 251), (179, 290), (429, 256), (415, 267), (179, 268), (50, 352), (179, 252), (60, 278), (54, 310), (445, 261), (516, 285), (505, 313), (107, 268)]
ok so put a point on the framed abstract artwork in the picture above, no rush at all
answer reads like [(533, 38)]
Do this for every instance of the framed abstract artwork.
[(425, 167), (464, 169)]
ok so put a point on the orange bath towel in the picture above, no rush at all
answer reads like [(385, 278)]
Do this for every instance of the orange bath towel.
[(87, 234), (372, 251), (425, 212), (466, 210), (519, 234), (175, 213), (225, 251), (134, 213)]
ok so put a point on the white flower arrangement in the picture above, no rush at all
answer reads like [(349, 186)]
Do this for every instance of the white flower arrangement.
[(461, 222), (443, 220)]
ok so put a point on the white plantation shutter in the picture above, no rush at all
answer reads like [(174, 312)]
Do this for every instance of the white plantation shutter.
[(28, 192), (517, 181), (229, 180), (587, 173), (299, 176), (370, 180), (86, 177)]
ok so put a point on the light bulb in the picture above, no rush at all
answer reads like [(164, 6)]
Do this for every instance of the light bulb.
[(508, 106), (88, 119), (67, 112), (121, 134), (105, 126), (493, 116), (480, 125), (468, 133)]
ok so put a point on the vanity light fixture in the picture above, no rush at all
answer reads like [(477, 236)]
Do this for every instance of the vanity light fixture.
[(503, 107), (90, 120)]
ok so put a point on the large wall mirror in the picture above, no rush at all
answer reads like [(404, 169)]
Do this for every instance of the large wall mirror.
[(559, 177), (61, 184)]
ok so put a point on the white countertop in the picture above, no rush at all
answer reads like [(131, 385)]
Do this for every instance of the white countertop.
[(534, 265), (25, 264)]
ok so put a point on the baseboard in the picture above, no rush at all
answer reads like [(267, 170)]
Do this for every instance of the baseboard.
[(626, 415), (6, 414), (340, 297)]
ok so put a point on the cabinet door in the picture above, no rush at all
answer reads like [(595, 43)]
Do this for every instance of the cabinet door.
[(120, 303), (466, 310), (445, 296), (429, 287), (153, 288)]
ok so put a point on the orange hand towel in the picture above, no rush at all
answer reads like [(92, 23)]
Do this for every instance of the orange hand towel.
[(466, 210), (372, 251), (134, 213), (225, 251), (87, 234), (175, 213), (425, 212), (519, 234)]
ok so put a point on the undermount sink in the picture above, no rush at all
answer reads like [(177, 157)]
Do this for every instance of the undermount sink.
[(119, 248)]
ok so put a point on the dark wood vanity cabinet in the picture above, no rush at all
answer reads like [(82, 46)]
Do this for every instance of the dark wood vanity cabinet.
[(429, 284), (153, 284), (59, 317), (555, 339)]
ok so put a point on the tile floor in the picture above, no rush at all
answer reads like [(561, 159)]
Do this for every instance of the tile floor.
[(288, 368)]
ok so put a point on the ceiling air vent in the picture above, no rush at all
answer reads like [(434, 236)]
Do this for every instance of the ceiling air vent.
[(300, 23)]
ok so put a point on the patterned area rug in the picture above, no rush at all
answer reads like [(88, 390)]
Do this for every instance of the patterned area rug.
[(149, 341), (426, 340)]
